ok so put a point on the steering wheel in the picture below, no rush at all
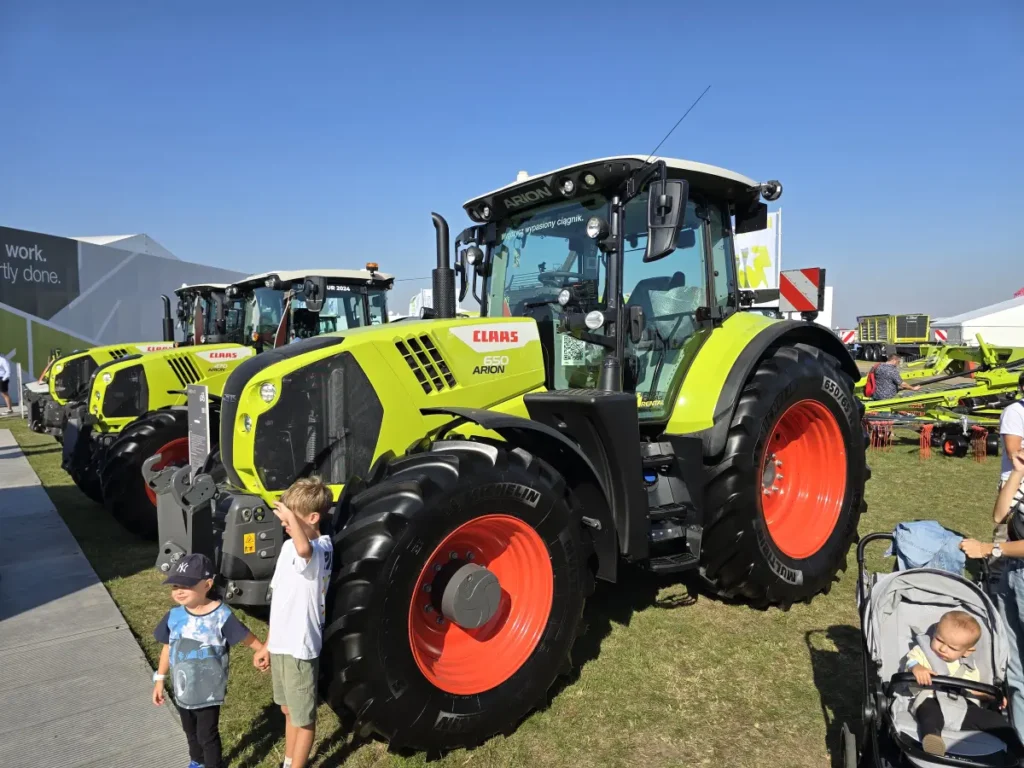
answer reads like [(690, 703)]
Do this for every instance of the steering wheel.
[(556, 278)]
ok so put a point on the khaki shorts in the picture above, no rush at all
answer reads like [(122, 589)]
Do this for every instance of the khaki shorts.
[(295, 687)]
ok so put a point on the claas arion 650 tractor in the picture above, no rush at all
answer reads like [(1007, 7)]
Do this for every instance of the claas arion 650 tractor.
[(135, 407), (613, 402)]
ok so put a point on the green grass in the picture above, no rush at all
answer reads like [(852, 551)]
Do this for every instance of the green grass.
[(664, 679)]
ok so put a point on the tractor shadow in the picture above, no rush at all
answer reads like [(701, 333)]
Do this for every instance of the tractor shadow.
[(615, 604), (836, 663)]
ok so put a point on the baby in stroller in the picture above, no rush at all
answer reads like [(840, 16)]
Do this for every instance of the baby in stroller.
[(946, 650), (935, 656)]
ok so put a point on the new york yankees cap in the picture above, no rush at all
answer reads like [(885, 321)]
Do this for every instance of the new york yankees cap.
[(190, 570)]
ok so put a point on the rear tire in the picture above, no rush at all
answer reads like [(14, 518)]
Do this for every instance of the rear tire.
[(798, 396), (124, 489), (955, 445), (388, 545)]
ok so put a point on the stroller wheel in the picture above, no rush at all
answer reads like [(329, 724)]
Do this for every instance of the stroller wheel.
[(849, 747)]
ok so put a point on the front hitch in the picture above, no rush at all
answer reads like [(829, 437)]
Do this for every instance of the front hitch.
[(237, 531)]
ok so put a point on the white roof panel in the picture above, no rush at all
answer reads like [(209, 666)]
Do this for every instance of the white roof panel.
[(682, 165), (344, 275), (977, 314)]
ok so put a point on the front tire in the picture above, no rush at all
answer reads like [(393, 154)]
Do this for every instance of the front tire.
[(125, 493), (784, 499), (82, 468), (425, 683)]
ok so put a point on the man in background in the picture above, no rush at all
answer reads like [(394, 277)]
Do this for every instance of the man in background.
[(888, 381), (5, 384)]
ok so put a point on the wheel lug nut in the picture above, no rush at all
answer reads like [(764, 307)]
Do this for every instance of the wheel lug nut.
[(470, 555), (778, 463), (427, 587), (440, 620), (428, 608), (778, 477), (437, 567), (453, 555)]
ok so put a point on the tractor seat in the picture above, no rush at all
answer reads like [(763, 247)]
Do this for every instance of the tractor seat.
[(664, 297)]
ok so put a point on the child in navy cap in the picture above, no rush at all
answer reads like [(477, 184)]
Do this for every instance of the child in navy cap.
[(196, 635)]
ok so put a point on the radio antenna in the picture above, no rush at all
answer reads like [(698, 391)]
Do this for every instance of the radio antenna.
[(655, 150)]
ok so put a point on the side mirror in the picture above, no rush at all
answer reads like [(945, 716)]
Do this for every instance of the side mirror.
[(665, 213), (314, 291)]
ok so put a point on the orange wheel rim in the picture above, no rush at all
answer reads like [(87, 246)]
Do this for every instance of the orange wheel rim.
[(173, 454), (803, 478), (470, 661)]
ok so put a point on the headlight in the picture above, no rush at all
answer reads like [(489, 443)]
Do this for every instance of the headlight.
[(594, 320), (563, 296), (596, 227), (268, 392), (246, 422), (107, 378)]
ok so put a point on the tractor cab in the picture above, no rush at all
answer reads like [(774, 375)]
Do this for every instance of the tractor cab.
[(286, 306), (549, 247), (206, 316)]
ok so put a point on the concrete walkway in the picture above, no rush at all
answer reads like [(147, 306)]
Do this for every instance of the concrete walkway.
[(74, 685)]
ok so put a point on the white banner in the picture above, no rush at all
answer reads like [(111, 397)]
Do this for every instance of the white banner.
[(759, 255)]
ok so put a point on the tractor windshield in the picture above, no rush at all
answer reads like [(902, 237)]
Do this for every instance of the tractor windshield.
[(342, 309), (541, 252), (263, 310), (230, 326)]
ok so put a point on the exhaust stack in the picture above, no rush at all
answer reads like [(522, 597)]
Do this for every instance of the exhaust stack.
[(443, 275), (168, 323)]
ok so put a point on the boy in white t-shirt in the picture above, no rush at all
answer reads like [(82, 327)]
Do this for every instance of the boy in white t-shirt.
[(297, 613)]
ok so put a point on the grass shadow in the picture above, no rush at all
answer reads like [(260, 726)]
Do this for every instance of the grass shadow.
[(263, 734), (838, 677), (635, 591)]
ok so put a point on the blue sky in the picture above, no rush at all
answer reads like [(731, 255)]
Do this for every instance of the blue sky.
[(251, 135)]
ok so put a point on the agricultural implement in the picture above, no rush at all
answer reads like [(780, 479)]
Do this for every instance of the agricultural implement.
[(489, 469), (905, 332), (955, 406), (136, 407)]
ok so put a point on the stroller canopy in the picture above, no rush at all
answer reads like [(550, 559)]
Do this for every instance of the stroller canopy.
[(905, 604)]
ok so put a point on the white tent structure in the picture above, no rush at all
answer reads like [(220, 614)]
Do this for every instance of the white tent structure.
[(1001, 324)]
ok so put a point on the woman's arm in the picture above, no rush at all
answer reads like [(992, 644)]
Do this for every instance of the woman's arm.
[(1004, 501)]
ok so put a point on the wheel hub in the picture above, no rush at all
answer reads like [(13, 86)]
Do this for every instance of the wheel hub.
[(465, 594), (771, 478)]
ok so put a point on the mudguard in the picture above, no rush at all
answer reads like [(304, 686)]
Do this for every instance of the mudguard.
[(776, 334)]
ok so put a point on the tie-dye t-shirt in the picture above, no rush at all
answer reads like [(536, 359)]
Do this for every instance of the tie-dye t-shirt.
[(199, 653)]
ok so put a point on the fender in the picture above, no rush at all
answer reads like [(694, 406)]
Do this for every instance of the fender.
[(561, 452), (774, 335)]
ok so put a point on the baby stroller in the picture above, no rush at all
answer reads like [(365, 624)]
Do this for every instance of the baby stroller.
[(894, 608)]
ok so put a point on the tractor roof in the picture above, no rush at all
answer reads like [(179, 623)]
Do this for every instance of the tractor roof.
[(351, 276), (611, 170), (200, 287)]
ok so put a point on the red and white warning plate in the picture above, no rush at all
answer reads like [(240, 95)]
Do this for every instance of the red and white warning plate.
[(802, 290)]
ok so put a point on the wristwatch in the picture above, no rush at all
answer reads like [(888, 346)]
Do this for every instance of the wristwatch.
[(996, 551), (157, 677)]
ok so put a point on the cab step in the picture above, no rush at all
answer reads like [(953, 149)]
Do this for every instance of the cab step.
[(682, 561)]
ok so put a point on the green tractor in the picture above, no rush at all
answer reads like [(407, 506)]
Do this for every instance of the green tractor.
[(135, 407), (490, 469), (67, 378)]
